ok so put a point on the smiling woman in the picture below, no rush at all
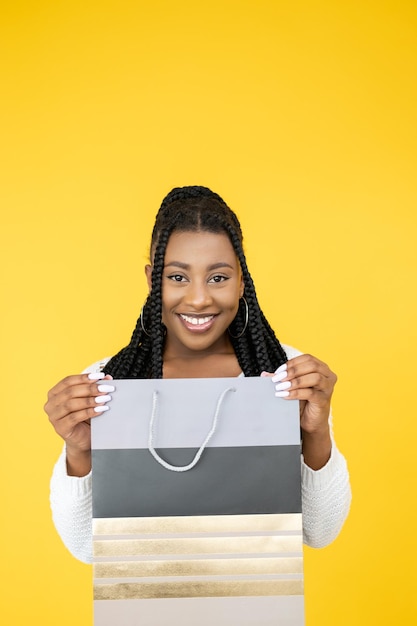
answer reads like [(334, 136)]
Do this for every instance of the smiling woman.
[(201, 319)]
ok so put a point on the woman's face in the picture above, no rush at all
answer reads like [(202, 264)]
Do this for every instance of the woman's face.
[(201, 286)]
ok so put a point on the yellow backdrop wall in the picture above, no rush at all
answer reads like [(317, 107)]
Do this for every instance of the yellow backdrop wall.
[(302, 116)]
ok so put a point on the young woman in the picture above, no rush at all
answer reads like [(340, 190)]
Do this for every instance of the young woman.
[(201, 319)]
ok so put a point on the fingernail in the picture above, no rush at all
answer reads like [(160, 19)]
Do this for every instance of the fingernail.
[(277, 377), (100, 409), (105, 388), (101, 399), (96, 375), (282, 394), (282, 386), (281, 368)]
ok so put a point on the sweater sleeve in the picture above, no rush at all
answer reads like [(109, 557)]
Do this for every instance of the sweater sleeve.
[(325, 493), (71, 502), (71, 505), (325, 499)]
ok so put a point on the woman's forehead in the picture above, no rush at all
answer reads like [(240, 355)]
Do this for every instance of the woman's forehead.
[(202, 247), (185, 242)]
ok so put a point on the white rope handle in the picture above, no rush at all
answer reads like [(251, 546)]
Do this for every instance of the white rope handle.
[(184, 468)]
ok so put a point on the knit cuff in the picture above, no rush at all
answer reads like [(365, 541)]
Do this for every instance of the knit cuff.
[(70, 486), (316, 480)]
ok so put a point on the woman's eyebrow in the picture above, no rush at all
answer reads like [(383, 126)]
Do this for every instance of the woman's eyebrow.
[(219, 265), (186, 266)]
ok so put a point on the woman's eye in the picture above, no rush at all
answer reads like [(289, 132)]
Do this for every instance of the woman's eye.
[(218, 279), (177, 278)]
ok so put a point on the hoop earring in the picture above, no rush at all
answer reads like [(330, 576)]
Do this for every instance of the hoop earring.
[(142, 325), (246, 321)]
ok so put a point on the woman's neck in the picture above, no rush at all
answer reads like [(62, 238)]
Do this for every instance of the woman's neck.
[(215, 365)]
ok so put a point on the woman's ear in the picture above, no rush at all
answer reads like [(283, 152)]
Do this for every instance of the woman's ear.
[(148, 273), (242, 287)]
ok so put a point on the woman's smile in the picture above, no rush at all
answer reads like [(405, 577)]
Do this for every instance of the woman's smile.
[(196, 323)]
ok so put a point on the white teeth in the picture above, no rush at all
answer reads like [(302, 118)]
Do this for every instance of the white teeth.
[(197, 321)]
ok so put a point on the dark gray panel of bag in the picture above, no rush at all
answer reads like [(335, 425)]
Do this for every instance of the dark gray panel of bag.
[(226, 481)]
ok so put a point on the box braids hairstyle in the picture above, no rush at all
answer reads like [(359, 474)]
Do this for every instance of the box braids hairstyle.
[(196, 209)]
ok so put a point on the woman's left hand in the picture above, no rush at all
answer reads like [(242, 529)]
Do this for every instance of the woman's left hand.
[(309, 380)]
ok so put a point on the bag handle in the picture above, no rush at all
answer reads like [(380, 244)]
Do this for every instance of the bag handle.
[(183, 468)]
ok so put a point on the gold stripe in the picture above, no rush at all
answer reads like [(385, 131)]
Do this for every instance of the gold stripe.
[(197, 524), (208, 567), (134, 591), (198, 545)]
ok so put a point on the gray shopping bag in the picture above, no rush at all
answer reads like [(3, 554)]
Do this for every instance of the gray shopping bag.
[(197, 504)]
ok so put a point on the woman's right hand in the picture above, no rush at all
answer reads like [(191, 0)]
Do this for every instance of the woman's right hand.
[(70, 406)]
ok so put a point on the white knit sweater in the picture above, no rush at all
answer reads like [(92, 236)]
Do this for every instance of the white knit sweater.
[(325, 493)]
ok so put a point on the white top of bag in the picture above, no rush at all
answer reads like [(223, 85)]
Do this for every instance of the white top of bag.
[(250, 415)]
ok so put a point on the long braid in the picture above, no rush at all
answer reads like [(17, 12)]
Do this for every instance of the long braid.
[(157, 330), (265, 349), (196, 209), (131, 360)]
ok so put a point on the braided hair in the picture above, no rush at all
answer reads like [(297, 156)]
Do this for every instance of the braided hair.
[(196, 209)]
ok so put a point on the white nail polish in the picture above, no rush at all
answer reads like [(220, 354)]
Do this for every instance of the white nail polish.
[(105, 388), (282, 386), (282, 394), (96, 375), (280, 376), (100, 409), (101, 399)]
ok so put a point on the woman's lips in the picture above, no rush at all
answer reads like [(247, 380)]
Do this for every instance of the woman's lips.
[(195, 323)]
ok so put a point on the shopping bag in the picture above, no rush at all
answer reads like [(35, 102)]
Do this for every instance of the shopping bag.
[(197, 505)]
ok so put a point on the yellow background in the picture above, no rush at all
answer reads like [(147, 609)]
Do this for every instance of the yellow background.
[(302, 115)]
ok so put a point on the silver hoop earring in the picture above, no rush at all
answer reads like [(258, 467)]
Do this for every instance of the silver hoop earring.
[(142, 325), (246, 321)]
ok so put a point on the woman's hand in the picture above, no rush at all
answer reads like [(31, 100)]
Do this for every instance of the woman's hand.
[(309, 380), (70, 406)]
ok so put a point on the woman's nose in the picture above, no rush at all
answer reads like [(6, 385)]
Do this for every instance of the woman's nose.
[(198, 295)]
